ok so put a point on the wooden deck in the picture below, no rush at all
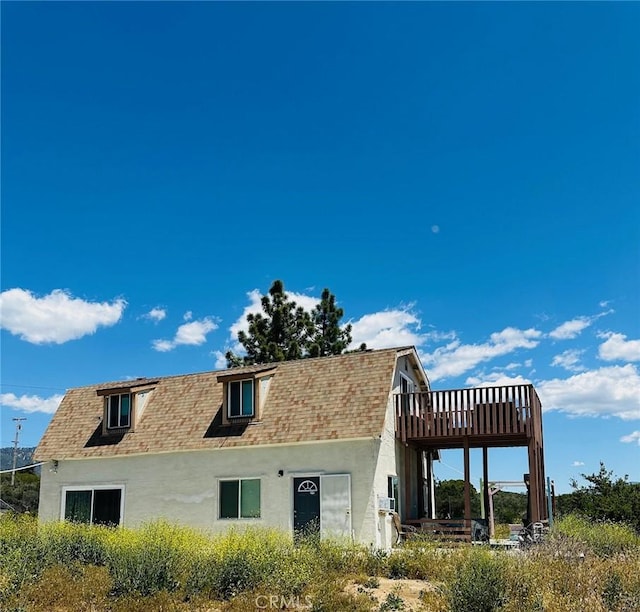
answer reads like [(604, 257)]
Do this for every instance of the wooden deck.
[(483, 417), (495, 416)]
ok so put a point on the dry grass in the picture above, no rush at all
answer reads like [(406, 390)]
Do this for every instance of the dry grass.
[(63, 567)]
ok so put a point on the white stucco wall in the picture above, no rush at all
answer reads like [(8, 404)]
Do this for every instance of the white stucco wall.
[(391, 460), (183, 487)]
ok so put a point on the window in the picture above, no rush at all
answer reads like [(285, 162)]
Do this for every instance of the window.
[(99, 506), (393, 491), (240, 498), (119, 410), (240, 398), (407, 387), (406, 384)]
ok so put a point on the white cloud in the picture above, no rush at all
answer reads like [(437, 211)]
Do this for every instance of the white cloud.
[(221, 360), (308, 302), (188, 315), (496, 379), (455, 358), (577, 464), (193, 333), (156, 314), (31, 403), (55, 318), (632, 437), (570, 329), (608, 391), (253, 307), (617, 347), (574, 327), (569, 360), (388, 328), (512, 366)]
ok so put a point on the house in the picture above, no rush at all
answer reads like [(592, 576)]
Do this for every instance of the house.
[(332, 444)]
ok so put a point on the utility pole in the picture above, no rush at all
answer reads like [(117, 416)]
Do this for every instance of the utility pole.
[(15, 447)]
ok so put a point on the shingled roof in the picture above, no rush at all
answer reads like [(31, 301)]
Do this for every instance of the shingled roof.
[(326, 398)]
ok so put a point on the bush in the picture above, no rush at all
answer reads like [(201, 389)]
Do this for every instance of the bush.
[(150, 559), (604, 538), (61, 566), (73, 587), (20, 554), (480, 584), (71, 542)]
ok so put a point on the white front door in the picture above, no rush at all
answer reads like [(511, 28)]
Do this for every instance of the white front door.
[(335, 505)]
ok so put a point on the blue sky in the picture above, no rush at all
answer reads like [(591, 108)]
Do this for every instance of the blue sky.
[(464, 177)]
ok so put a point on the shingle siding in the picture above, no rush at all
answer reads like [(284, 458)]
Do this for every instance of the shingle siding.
[(327, 398)]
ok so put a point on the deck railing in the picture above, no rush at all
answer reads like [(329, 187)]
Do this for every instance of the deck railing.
[(482, 411)]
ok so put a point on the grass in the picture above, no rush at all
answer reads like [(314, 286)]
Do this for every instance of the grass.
[(63, 566)]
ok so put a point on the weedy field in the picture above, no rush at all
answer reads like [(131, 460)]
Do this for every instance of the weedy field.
[(69, 567)]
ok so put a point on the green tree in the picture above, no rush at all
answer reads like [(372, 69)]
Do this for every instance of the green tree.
[(449, 496), (509, 507), (284, 331), (24, 495), (605, 497), (277, 334), (325, 336)]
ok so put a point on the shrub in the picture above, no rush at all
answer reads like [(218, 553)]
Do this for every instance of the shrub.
[(71, 542), (20, 554), (604, 538), (480, 584), (150, 559), (74, 587)]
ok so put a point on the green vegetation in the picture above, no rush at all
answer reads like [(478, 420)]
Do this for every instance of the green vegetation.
[(284, 331), (604, 498), (63, 566), (24, 494), (449, 496)]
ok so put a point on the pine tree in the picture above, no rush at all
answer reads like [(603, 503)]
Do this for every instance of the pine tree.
[(326, 337), (277, 334)]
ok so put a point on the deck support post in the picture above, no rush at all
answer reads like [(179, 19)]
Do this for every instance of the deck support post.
[(485, 481), (407, 483), (420, 482), (467, 477), (534, 511)]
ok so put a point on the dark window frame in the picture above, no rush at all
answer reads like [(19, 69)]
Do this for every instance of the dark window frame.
[(121, 421), (226, 506), (236, 395), (92, 511)]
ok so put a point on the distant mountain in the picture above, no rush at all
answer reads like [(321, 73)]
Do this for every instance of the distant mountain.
[(25, 457)]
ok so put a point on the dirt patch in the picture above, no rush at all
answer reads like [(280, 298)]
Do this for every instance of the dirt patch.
[(387, 590)]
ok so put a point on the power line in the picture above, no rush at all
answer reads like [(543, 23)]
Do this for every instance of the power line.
[(32, 387), (24, 467)]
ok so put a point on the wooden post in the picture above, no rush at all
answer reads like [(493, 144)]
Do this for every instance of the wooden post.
[(485, 479), (534, 514), (429, 479), (420, 482), (467, 477), (407, 483)]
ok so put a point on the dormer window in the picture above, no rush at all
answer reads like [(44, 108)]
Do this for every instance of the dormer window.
[(244, 391), (118, 410), (123, 405), (241, 398)]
